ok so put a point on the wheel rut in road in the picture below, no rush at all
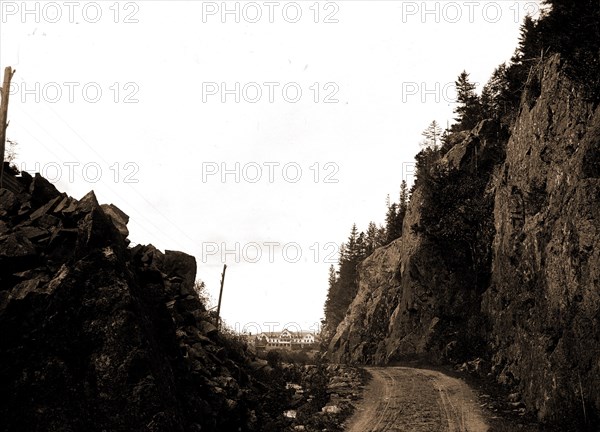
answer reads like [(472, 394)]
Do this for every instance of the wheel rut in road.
[(401, 399)]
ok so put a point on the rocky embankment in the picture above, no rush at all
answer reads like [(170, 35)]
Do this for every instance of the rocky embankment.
[(538, 311), (98, 336), (324, 396)]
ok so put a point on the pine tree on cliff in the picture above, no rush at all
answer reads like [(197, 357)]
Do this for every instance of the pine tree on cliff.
[(381, 235), (529, 42), (507, 84), (372, 239), (396, 212), (352, 244), (433, 135), (391, 223), (402, 206), (352, 255), (330, 301), (332, 276), (344, 286), (496, 100), (361, 245), (572, 29), (468, 110), (403, 196)]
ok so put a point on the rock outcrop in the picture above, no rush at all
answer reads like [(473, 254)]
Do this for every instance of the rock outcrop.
[(97, 336), (410, 303), (535, 316), (544, 300), (365, 326)]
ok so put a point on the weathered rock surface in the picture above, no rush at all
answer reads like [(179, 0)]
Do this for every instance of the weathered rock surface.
[(97, 336), (539, 311), (408, 302), (544, 299), (366, 325)]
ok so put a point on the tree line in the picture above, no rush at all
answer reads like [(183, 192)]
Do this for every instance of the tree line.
[(343, 280)]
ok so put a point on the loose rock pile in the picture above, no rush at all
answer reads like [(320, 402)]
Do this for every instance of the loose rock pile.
[(98, 336), (342, 388)]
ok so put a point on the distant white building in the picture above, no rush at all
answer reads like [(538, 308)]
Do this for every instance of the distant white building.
[(286, 339)]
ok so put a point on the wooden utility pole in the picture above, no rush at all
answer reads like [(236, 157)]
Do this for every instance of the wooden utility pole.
[(4, 93), (220, 297)]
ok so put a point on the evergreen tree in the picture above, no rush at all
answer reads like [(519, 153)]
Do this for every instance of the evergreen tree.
[(396, 212), (343, 284), (571, 28), (468, 110), (391, 224), (352, 244), (372, 238), (529, 42), (403, 196), (332, 307), (402, 207), (425, 160), (332, 277), (495, 99), (432, 135), (381, 236), (361, 246), (447, 142)]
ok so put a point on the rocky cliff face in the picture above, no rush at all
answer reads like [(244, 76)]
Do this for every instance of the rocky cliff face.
[(101, 337), (544, 300), (394, 313), (536, 318), (411, 302), (365, 326)]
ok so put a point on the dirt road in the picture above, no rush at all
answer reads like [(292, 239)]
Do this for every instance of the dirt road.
[(416, 400)]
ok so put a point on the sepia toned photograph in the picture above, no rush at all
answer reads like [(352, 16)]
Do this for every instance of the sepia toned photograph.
[(310, 215)]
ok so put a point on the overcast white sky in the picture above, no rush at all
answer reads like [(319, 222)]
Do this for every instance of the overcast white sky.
[(126, 98)]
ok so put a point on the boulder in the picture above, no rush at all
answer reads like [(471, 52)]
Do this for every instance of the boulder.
[(8, 202), (45, 209), (208, 329), (16, 253), (331, 409), (86, 204), (118, 218), (182, 265), (41, 191), (96, 231)]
